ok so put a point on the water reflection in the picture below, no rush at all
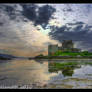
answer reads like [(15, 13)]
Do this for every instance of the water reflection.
[(67, 71), (66, 68), (24, 72), (45, 74)]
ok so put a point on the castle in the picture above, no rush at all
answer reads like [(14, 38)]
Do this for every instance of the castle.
[(67, 45)]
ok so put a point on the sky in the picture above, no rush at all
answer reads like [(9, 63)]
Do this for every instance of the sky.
[(28, 29)]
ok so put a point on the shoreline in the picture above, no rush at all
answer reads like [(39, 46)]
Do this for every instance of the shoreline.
[(62, 59)]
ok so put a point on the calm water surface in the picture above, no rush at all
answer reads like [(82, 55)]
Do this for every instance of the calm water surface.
[(36, 74)]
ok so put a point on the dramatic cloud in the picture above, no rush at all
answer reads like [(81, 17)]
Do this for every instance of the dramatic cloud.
[(24, 28), (81, 33), (26, 40), (20, 37), (68, 13), (39, 15)]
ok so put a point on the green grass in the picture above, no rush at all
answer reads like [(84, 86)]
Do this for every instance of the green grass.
[(59, 53), (72, 55)]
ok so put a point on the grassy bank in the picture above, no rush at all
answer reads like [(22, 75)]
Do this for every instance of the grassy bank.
[(66, 55), (73, 54)]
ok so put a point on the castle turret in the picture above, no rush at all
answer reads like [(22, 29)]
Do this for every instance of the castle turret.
[(52, 49), (67, 44)]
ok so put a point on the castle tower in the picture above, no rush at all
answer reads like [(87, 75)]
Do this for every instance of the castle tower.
[(67, 44), (52, 49)]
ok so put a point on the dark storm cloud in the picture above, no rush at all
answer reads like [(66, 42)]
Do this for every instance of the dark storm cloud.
[(44, 14), (10, 10), (77, 34), (29, 11), (76, 23), (68, 10), (1, 24), (39, 15), (78, 28)]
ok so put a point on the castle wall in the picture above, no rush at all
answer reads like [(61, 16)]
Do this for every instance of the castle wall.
[(52, 49)]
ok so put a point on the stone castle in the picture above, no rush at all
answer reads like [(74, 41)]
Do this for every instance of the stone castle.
[(67, 45)]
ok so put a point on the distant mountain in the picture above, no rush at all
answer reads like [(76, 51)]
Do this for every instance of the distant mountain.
[(6, 57)]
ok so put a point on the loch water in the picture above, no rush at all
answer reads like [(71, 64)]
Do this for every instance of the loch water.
[(36, 74)]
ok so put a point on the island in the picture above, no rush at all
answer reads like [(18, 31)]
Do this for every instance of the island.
[(66, 51)]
